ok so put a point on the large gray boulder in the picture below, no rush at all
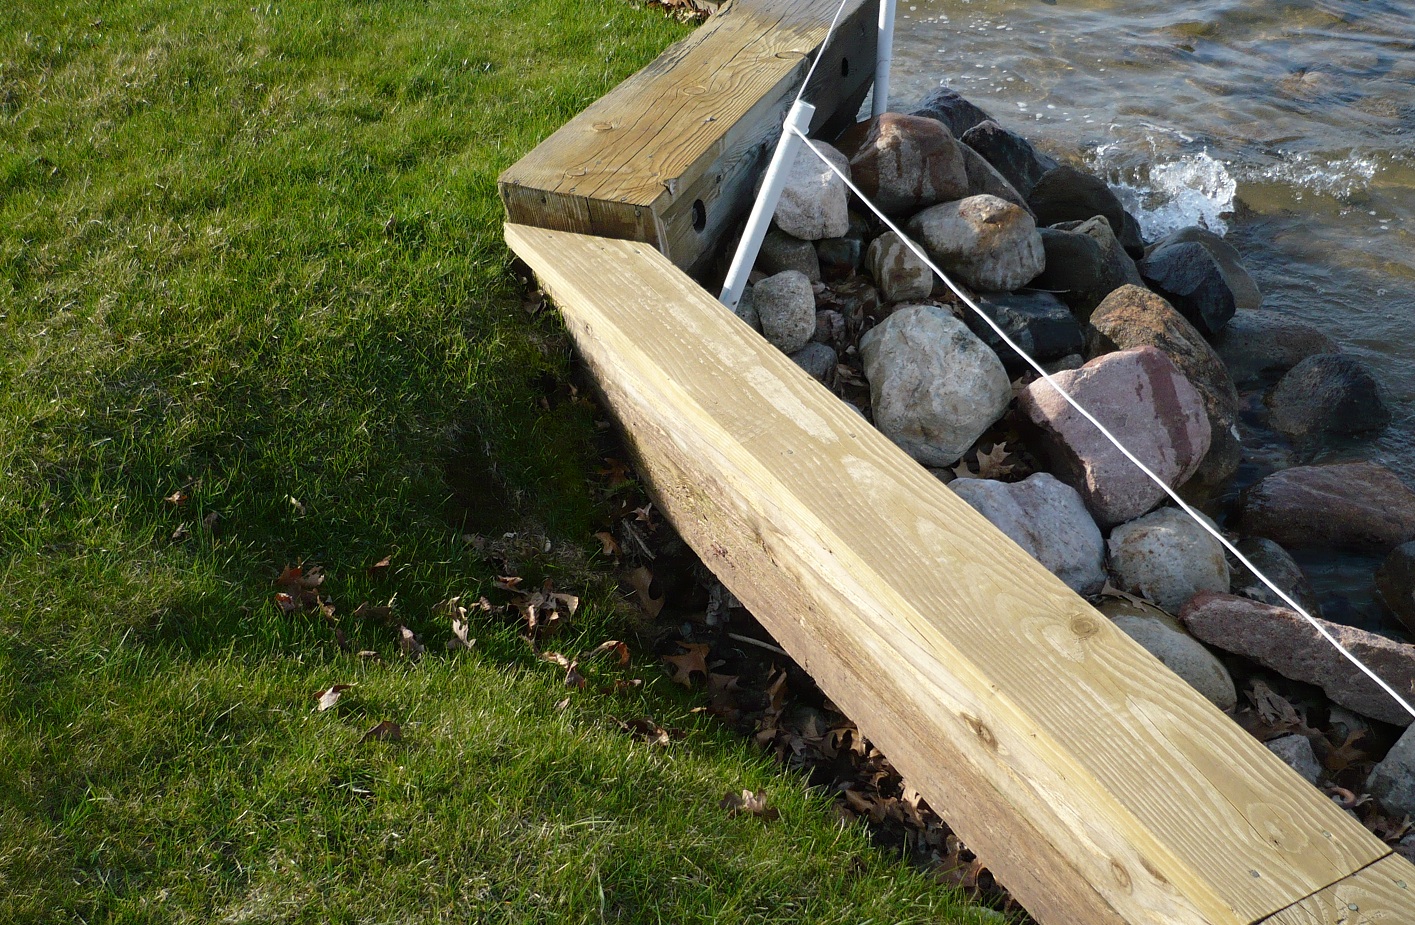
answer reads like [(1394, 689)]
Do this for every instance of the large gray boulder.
[(1146, 402), (1361, 506), (781, 252), (1065, 194), (948, 107), (990, 244), (1163, 637), (1167, 558), (934, 386), (1279, 639), (814, 203), (1047, 518), (1086, 262), (786, 307), (907, 163)]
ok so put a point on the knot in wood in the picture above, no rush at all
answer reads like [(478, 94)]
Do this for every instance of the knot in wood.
[(1085, 625), (980, 729)]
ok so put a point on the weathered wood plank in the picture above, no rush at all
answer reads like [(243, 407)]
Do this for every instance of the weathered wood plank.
[(1098, 786), (670, 155), (1381, 894)]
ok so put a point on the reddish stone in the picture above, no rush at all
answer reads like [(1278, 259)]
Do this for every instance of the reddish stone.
[(1279, 639), (1360, 506), (906, 163), (1146, 402)]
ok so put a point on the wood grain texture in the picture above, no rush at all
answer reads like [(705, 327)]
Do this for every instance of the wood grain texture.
[(1097, 785), (1381, 894), (671, 154)]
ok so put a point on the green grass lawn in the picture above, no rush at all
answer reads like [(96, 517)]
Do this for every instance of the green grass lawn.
[(251, 259)]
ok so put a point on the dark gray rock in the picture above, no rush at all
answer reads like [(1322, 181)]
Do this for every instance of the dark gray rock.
[(1393, 780), (786, 305), (1246, 294), (983, 178), (1189, 277), (1296, 752), (1328, 394), (1358, 505), (1037, 321), (819, 360), (781, 252), (1276, 563), (1395, 582), (1255, 344), (1010, 154), (839, 257), (1065, 194), (1085, 262), (1131, 238), (952, 110)]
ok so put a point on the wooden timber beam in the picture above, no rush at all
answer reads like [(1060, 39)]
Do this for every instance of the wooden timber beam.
[(1097, 785), (671, 154)]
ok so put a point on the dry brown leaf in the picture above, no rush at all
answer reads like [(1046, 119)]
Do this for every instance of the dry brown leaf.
[(1110, 590), (209, 521), (300, 588), (342, 640), (330, 696), (410, 644), (380, 612), (178, 497), (694, 660), (993, 464), (749, 803), (295, 503), (181, 533), (609, 543), (380, 567), (615, 472), (641, 580), (648, 730), (386, 731), (963, 471), (1349, 752), (370, 655), (613, 647)]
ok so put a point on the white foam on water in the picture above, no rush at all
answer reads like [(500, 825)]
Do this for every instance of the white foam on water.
[(1338, 178), (1195, 189)]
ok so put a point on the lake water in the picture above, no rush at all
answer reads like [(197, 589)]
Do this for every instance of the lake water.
[(1288, 126)]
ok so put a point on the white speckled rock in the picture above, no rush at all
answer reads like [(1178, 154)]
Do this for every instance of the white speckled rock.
[(1048, 519), (1393, 780), (814, 203), (900, 274), (989, 243), (1163, 637), (935, 387), (786, 306), (1296, 752), (1167, 558)]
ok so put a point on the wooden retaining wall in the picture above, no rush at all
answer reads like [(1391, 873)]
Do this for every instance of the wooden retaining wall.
[(1097, 785)]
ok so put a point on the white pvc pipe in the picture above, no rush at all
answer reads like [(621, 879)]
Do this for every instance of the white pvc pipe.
[(884, 56), (798, 123)]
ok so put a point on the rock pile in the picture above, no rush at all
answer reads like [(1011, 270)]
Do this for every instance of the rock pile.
[(1167, 343)]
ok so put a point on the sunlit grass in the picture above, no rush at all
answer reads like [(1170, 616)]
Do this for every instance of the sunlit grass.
[(252, 251)]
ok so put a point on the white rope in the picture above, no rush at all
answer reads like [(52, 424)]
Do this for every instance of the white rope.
[(1316, 624)]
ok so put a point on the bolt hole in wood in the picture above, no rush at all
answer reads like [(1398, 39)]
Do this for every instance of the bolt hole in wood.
[(844, 67), (699, 215)]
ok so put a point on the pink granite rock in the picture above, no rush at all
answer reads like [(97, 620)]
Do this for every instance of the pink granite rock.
[(1279, 639), (1147, 403), (906, 163), (1359, 505)]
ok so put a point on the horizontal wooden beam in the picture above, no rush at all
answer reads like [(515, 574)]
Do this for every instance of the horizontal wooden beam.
[(1380, 894), (670, 155), (1097, 785)]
